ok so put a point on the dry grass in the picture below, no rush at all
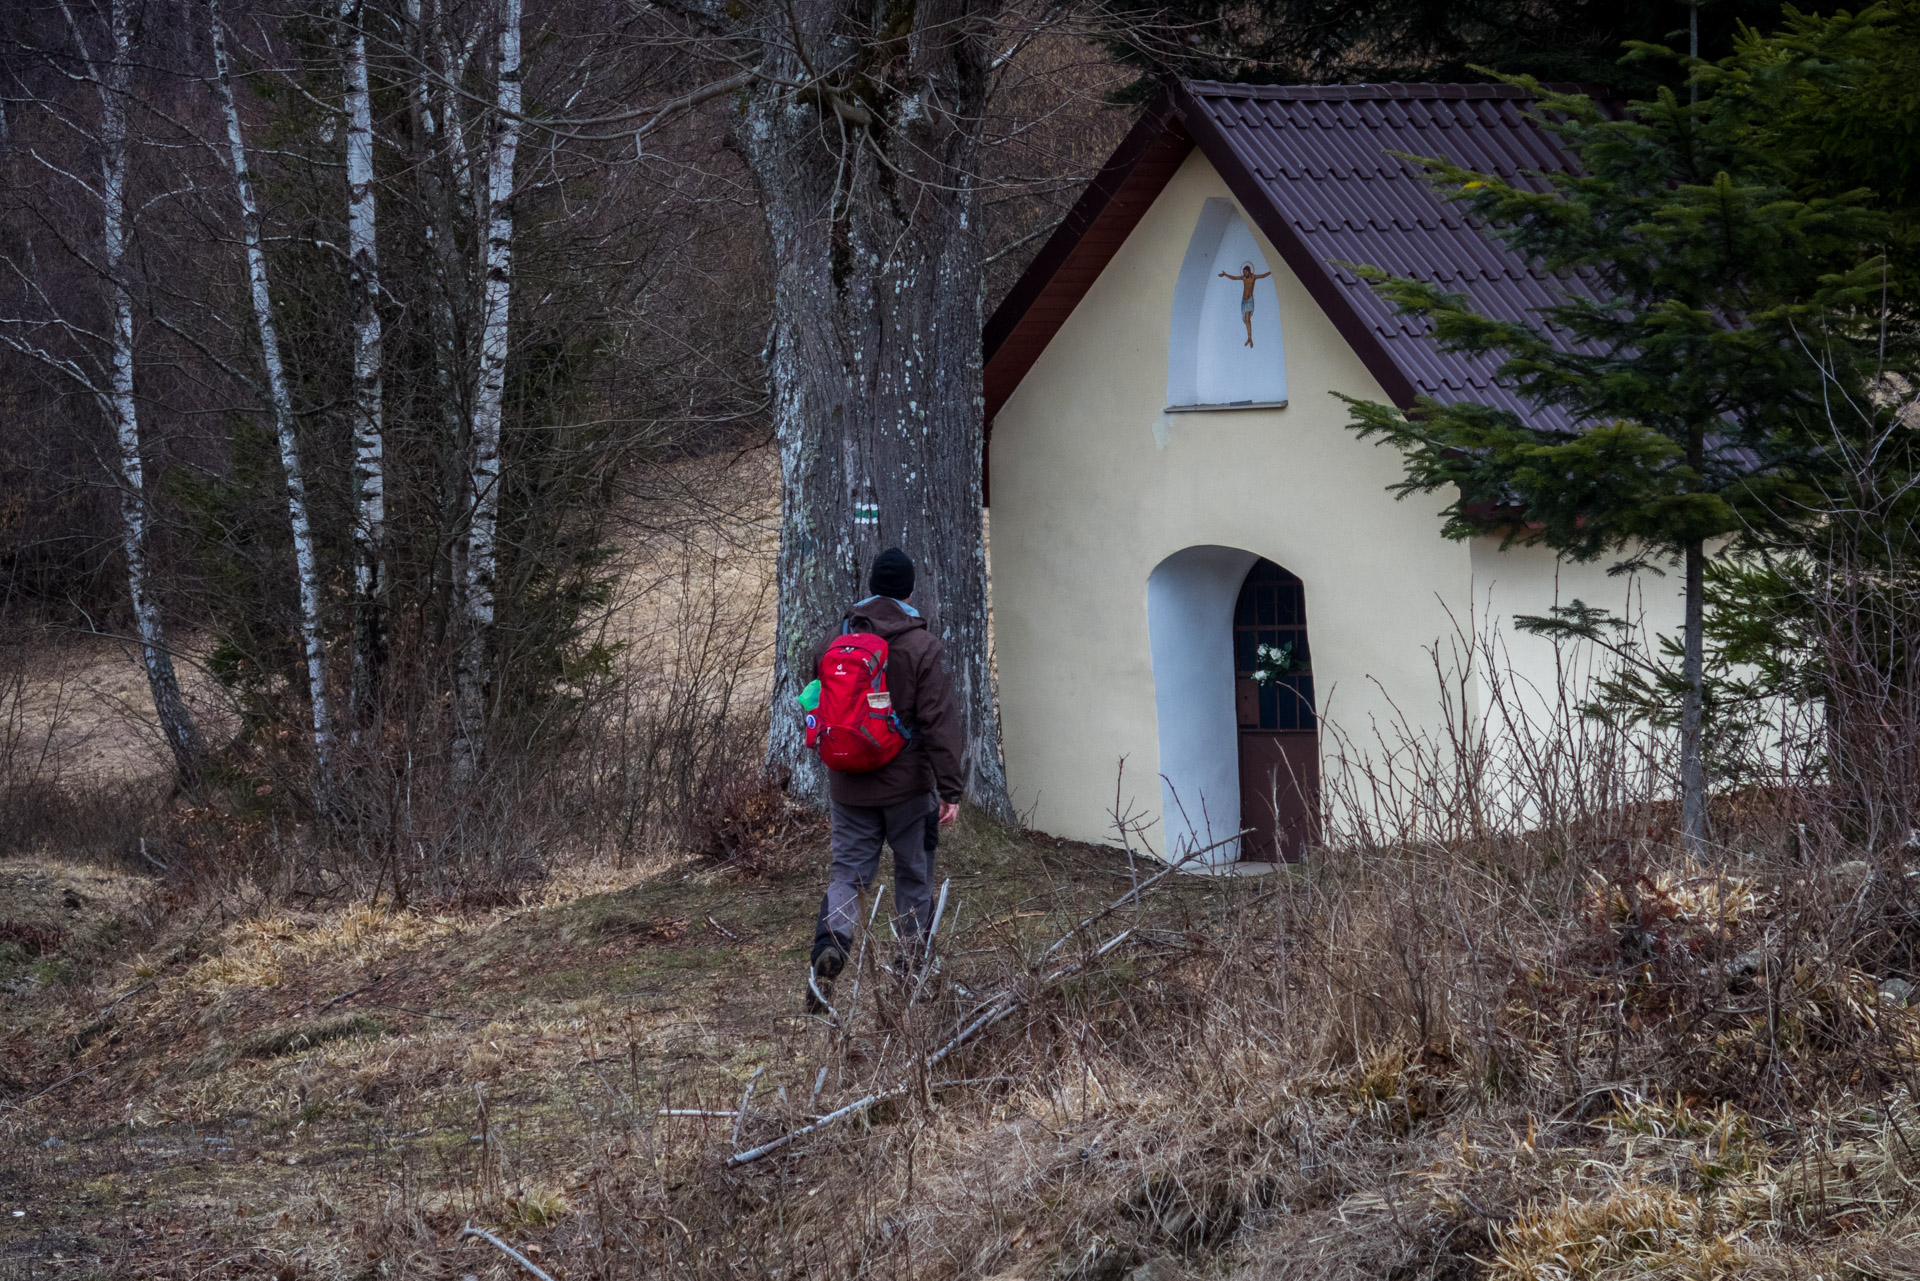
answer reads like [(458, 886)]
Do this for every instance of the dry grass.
[(1638, 1231), (83, 706), (262, 951), (1317, 1074)]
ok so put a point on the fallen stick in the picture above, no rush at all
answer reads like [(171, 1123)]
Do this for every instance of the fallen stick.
[(981, 1024), (996, 1009), (1134, 894), (359, 991), (993, 1010), (16, 1104), (938, 912), (860, 957), (740, 1116), (1005, 1005), (427, 1014), (109, 1006), (813, 986), (927, 963), (765, 1149), (470, 1231), (695, 1112)]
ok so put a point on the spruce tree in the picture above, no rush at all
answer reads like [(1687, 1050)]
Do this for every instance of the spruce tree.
[(1680, 354)]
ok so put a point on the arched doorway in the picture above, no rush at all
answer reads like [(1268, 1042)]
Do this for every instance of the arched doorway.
[(1190, 598), (1273, 703)]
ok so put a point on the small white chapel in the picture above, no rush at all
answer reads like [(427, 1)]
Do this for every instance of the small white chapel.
[(1197, 568)]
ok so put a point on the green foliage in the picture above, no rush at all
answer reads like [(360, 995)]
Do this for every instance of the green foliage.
[(1697, 411), (1832, 105), (1757, 651), (1330, 41), (234, 528), (1718, 373)]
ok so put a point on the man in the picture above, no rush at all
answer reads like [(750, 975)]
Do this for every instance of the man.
[(898, 803)]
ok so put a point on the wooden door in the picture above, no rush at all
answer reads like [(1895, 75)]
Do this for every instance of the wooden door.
[(1279, 732)]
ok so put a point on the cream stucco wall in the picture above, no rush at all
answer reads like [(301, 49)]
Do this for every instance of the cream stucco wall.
[(1531, 580), (1094, 487)]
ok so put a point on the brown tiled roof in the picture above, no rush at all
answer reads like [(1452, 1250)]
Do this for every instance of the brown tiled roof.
[(1314, 167)]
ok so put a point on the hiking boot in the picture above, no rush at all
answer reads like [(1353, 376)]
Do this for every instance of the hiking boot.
[(829, 958), (914, 973), (907, 956)]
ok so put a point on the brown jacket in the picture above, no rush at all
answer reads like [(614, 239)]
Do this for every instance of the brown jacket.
[(922, 692)]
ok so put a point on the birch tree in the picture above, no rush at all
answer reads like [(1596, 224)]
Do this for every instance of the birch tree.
[(439, 156), (113, 387), (280, 401), (489, 394), (369, 438)]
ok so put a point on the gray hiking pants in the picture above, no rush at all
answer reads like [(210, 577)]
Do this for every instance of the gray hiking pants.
[(912, 828)]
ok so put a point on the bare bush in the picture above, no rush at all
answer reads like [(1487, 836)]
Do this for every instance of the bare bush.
[(48, 804), (678, 727)]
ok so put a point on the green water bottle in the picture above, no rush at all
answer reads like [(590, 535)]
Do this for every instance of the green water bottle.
[(809, 698)]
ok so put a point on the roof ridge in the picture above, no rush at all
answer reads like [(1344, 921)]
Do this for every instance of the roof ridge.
[(1418, 90)]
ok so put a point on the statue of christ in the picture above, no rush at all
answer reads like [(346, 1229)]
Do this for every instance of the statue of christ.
[(1246, 277)]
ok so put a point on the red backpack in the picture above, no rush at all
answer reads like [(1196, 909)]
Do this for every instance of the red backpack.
[(854, 727)]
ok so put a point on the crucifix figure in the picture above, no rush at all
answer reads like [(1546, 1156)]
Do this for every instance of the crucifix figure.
[(1246, 277)]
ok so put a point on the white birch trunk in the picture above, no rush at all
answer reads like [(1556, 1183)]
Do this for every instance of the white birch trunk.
[(369, 449), (176, 722), (489, 396), (305, 561), (440, 156)]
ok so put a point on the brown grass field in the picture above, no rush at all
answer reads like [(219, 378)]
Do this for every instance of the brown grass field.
[(1301, 1075)]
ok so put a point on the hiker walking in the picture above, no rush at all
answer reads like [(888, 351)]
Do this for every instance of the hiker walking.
[(885, 724)]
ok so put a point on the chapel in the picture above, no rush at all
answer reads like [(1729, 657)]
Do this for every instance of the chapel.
[(1208, 604)]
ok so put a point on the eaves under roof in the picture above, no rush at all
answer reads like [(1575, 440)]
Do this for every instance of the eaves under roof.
[(1314, 167)]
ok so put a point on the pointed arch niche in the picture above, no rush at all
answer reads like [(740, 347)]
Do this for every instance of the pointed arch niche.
[(1209, 365)]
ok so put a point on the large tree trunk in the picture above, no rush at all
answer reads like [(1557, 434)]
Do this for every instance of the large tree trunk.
[(280, 398), (369, 437), (870, 184), (489, 397), (176, 722)]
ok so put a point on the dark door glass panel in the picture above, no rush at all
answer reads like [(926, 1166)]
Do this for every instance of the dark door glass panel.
[(1279, 739), (1272, 611)]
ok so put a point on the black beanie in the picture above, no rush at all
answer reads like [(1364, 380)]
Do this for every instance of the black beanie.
[(892, 574)]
